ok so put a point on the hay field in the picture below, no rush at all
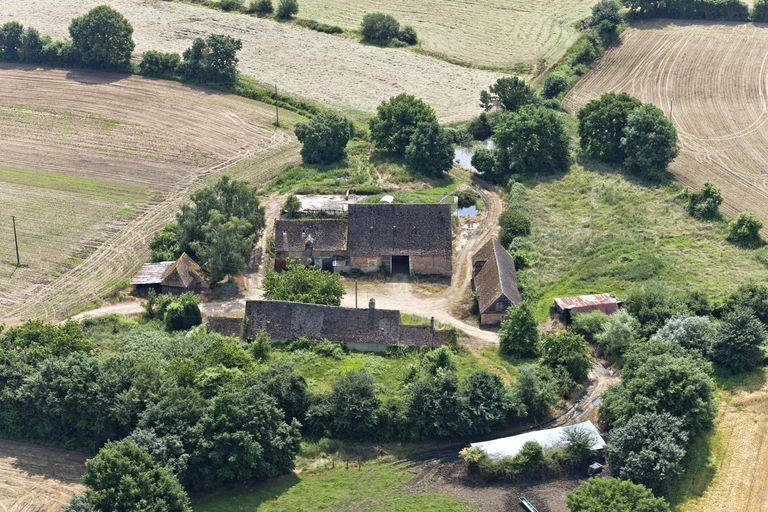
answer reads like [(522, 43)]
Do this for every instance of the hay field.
[(333, 70), (740, 451), (93, 163), (36, 478), (712, 79), (489, 33)]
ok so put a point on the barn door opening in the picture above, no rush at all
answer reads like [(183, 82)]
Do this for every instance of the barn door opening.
[(401, 265)]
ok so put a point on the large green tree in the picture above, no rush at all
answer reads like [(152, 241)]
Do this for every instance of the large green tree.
[(649, 142), (601, 126), (430, 150), (224, 248), (534, 391), (511, 93), (614, 495), (567, 350), (739, 344), (519, 334), (652, 304), (690, 332), (616, 335), (11, 41), (299, 283), (102, 37), (353, 405), (324, 138), (435, 406), (486, 402), (752, 296), (397, 119)]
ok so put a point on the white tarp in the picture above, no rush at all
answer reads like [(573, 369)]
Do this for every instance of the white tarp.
[(511, 446)]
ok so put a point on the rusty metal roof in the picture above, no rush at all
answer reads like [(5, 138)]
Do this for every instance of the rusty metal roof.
[(582, 301), (152, 273)]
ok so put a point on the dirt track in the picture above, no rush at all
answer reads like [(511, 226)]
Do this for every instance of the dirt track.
[(712, 80), (37, 479), (327, 68)]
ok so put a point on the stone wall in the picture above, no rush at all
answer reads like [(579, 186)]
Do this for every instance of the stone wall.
[(226, 325), (431, 265)]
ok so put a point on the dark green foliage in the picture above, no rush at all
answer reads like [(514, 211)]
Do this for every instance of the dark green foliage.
[(102, 37), (484, 162), (353, 405), (618, 333), (745, 230), (485, 401), (519, 334), (586, 51), (605, 10), (740, 342), (324, 138), (182, 313), (553, 86), (467, 197), (652, 304), (408, 35), (589, 324), (396, 121), (287, 9), (292, 206), (261, 7), (379, 28), (31, 45), (603, 494), (601, 126), (534, 391), (480, 128), (705, 9), (123, 478), (514, 222), (79, 503), (155, 63), (36, 341), (231, 5), (510, 93), (566, 350), (164, 246), (167, 451), (304, 284), (11, 41), (211, 60), (752, 296), (690, 332), (260, 347), (435, 407), (530, 141), (648, 450), (578, 446), (649, 142), (705, 203), (288, 388), (430, 150), (760, 10)]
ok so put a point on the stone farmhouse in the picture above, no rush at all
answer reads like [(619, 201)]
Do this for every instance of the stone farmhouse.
[(410, 239), (494, 279), (175, 277), (364, 329)]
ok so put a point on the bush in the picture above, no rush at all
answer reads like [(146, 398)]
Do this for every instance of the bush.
[(566, 350), (301, 284), (260, 347), (31, 46), (585, 52), (605, 10), (479, 127), (319, 27), (435, 408), (430, 150), (690, 332), (102, 37), (519, 334), (324, 138), (514, 222), (534, 391), (745, 230), (292, 206), (553, 86), (652, 304), (589, 324), (211, 60), (484, 162), (751, 296), (487, 406), (287, 9), (408, 35), (182, 314), (738, 345), (353, 404), (155, 63), (705, 203), (509, 93), (261, 8), (379, 28), (231, 5), (467, 197), (396, 121), (760, 10), (618, 333), (616, 495), (11, 40)]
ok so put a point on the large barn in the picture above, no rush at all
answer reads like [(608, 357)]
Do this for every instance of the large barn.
[(319, 242), (494, 279), (401, 238)]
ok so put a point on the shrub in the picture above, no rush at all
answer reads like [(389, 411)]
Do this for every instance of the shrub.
[(738, 345), (324, 138), (534, 391), (11, 40), (487, 406), (514, 222), (760, 10), (652, 304), (261, 7), (705, 203), (484, 162), (31, 46), (511, 93), (745, 229), (618, 333), (752, 296), (231, 5), (319, 27), (155, 63), (430, 150), (292, 205), (616, 495), (396, 121), (690, 332), (605, 10), (585, 52), (467, 197), (379, 28), (260, 347), (435, 407), (589, 324), (566, 350), (301, 284), (553, 86), (288, 388), (479, 127), (519, 334), (287, 9), (408, 35), (180, 313), (102, 37), (353, 405)]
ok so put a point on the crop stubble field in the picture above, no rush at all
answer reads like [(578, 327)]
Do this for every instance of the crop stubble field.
[(330, 69), (712, 78), (493, 33), (91, 178)]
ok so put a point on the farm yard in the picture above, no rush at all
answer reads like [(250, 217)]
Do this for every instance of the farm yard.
[(487, 33), (37, 479), (710, 79), (301, 62), (92, 178)]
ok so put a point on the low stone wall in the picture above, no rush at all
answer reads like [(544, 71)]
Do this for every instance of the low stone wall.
[(431, 265), (423, 336)]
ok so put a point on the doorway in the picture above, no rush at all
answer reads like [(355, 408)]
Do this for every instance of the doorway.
[(401, 265)]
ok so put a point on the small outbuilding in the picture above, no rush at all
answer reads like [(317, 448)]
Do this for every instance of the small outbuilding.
[(549, 438), (318, 242), (175, 277), (494, 279), (566, 307)]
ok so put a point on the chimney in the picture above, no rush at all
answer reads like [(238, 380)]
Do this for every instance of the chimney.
[(372, 304)]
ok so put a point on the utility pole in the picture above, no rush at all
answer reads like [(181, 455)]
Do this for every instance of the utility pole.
[(16, 241), (277, 109), (355, 294)]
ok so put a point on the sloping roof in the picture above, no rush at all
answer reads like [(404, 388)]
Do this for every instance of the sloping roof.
[(549, 438), (151, 273), (325, 234), (182, 272), (584, 301), (400, 230), (497, 278)]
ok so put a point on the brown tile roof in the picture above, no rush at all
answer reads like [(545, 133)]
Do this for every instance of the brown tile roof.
[(326, 234), (183, 272), (151, 273), (497, 278), (400, 229)]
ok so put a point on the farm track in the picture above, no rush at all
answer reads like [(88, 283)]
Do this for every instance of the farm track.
[(198, 134), (322, 67), (712, 80)]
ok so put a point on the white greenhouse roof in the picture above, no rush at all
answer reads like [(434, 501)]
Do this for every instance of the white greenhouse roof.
[(549, 438)]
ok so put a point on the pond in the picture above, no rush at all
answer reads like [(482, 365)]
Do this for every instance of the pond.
[(462, 155), (468, 211)]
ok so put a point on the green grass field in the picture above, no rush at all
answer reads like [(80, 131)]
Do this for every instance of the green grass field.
[(375, 486), (596, 231)]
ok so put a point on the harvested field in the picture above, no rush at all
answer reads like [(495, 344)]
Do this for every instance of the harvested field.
[(37, 479), (494, 33), (330, 69), (740, 452), (711, 79), (91, 178)]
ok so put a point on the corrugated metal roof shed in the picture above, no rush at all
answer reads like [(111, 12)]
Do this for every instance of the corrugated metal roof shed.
[(152, 273), (549, 438), (585, 301)]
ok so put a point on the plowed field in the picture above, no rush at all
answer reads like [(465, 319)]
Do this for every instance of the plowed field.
[(712, 80), (327, 68), (93, 163), (37, 479)]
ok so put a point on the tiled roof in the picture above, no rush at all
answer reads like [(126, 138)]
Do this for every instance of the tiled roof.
[(497, 277), (182, 273), (325, 234), (151, 273), (582, 301)]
